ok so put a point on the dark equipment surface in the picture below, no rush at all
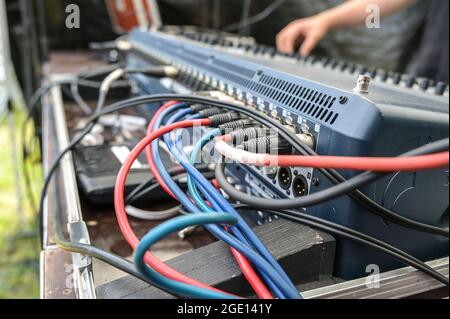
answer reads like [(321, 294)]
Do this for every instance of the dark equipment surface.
[(214, 265), (97, 169)]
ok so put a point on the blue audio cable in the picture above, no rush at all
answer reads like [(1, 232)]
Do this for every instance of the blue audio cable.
[(193, 190), (180, 156), (220, 204), (254, 257), (161, 231), (223, 205)]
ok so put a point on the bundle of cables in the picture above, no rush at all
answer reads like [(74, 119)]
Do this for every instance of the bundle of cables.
[(208, 207), (240, 237), (205, 199)]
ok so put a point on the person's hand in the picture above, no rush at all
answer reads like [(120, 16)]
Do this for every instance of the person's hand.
[(308, 32)]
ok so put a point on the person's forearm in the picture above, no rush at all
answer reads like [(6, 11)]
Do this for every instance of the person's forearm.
[(354, 12)]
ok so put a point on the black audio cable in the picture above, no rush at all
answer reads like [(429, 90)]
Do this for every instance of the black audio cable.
[(266, 144), (92, 251), (141, 189), (327, 194), (336, 178), (81, 78), (355, 236), (244, 135), (294, 141), (330, 174), (260, 117), (103, 92), (237, 125), (32, 106), (177, 174)]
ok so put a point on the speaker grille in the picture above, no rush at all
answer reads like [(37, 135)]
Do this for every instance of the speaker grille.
[(305, 100)]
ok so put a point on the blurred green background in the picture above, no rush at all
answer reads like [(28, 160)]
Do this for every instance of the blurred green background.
[(19, 240)]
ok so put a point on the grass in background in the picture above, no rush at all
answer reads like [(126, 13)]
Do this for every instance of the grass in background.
[(19, 242)]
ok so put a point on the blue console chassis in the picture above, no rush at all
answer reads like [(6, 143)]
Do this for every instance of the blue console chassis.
[(386, 122)]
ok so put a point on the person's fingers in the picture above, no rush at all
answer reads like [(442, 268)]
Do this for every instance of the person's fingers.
[(284, 44), (281, 38), (309, 32), (309, 44), (280, 41), (288, 40)]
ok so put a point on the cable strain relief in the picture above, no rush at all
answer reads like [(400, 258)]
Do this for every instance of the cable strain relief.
[(198, 107), (240, 124), (206, 113), (251, 133), (219, 119), (267, 144)]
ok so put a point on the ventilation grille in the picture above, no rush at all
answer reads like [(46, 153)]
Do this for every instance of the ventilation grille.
[(307, 101), (195, 55), (167, 45), (237, 79), (234, 73), (228, 71), (235, 68), (194, 61)]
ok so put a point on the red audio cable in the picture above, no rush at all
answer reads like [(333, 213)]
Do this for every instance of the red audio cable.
[(148, 150), (119, 204), (374, 164), (150, 259), (252, 277), (246, 268)]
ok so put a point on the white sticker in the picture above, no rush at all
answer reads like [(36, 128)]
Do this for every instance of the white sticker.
[(122, 153), (317, 128)]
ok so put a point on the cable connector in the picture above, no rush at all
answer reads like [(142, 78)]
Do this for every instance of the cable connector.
[(165, 71), (251, 133), (219, 119), (155, 71), (265, 145), (198, 107), (209, 112), (111, 78), (235, 125)]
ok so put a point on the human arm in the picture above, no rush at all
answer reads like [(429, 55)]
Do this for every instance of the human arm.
[(310, 31)]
